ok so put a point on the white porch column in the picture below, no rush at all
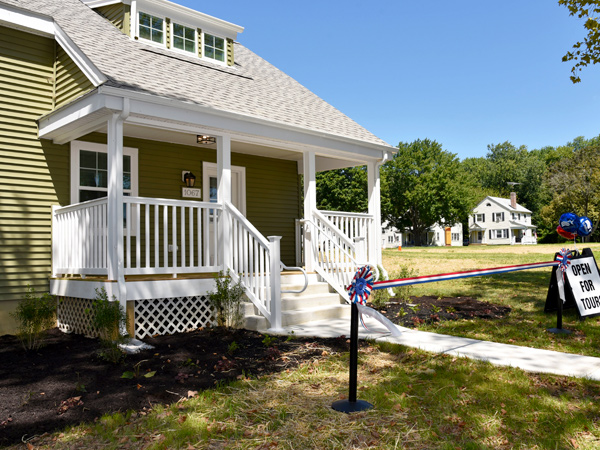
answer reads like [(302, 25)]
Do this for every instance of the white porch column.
[(374, 193), (114, 143), (224, 195), (310, 205)]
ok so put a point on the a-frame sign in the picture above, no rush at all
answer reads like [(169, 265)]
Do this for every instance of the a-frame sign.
[(581, 287)]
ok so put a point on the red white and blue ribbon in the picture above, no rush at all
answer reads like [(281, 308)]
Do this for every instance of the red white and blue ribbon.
[(563, 259), (361, 286), (384, 284)]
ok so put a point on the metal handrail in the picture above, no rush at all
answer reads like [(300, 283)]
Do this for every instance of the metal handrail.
[(284, 267)]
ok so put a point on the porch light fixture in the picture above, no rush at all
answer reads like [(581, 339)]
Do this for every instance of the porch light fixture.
[(189, 179), (205, 140)]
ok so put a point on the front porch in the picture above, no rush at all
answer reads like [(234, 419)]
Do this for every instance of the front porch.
[(173, 249)]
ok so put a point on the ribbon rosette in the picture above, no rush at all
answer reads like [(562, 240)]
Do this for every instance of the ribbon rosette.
[(563, 260), (361, 286)]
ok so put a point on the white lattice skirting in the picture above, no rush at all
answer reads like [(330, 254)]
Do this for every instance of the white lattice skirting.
[(152, 316), (172, 315), (73, 315)]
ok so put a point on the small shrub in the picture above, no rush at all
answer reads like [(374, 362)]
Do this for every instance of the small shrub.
[(404, 292), (109, 320), (227, 301), (232, 348), (379, 297), (35, 314), (268, 341)]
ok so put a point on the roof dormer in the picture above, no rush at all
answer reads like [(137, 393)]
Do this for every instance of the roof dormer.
[(168, 25)]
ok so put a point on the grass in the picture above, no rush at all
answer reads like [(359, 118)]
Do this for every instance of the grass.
[(422, 400), (525, 292)]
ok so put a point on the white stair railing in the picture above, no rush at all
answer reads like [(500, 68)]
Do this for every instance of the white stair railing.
[(337, 258), (252, 263)]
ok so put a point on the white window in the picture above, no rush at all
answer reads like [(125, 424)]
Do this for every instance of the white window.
[(456, 236), (214, 47), (151, 28), (497, 217), (89, 171), (499, 234), (184, 38), (479, 217)]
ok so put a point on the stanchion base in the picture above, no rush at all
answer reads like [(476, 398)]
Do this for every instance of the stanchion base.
[(347, 406), (559, 331)]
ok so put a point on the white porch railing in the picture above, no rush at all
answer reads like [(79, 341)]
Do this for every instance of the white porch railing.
[(160, 237), (352, 225), (336, 256)]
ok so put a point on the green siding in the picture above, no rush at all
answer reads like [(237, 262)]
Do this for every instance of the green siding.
[(33, 172), (70, 81), (272, 194), (118, 15)]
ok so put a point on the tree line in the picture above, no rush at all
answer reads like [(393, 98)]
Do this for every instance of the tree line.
[(423, 184)]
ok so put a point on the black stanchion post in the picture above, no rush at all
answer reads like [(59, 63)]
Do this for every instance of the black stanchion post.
[(351, 404)]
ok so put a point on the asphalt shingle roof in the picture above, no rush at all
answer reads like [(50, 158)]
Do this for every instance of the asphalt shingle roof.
[(253, 87)]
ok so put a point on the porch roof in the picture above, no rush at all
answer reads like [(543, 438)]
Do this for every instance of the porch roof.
[(521, 226), (253, 88)]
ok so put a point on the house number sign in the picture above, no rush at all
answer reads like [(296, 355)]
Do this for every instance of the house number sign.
[(187, 192)]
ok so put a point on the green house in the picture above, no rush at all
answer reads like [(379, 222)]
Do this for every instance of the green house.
[(143, 150)]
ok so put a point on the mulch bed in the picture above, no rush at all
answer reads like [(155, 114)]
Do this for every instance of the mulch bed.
[(66, 382), (418, 311)]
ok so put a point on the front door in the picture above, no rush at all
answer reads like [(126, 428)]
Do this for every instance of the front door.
[(209, 193)]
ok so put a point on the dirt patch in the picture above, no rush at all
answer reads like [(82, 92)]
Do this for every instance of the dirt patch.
[(66, 382), (420, 310)]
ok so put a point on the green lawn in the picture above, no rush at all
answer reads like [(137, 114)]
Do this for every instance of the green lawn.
[(524, 291), (422, 400)]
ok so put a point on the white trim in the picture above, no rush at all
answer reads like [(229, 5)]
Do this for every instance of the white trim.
[(178, 50), (27, 21), (163, 113), (77, 146), (100, 3), (136, 290), (210, 170)]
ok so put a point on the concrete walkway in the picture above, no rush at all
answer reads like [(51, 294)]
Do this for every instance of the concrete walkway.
[(526, 358)]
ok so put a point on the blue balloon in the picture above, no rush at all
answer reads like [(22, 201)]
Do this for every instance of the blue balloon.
[(569, 222), (584, 226)]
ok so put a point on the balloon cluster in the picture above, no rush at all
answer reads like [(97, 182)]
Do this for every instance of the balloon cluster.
[(570, 226)]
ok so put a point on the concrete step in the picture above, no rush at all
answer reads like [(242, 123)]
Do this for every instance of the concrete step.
[(311, 289), (297, 278), (296, 317), (309, 301)]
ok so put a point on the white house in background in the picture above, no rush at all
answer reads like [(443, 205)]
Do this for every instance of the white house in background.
[(496, 221), (437, 235), (391, 237)]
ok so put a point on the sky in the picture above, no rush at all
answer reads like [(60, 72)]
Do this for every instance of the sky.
[(466, 73)]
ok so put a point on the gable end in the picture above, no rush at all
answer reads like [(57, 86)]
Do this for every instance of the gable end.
[(119, 15)]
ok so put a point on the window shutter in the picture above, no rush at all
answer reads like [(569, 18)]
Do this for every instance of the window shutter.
[(491, 235), (200, 48), (230, 60), (168, 27), (483, 217)]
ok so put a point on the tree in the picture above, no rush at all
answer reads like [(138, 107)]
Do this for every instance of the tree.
[(575, 184), (587, 51), (512, 169), (343, 190), (425, 185)]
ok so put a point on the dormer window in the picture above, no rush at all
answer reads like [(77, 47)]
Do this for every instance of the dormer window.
[(184, 38), (214, 47), (152, 28)]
